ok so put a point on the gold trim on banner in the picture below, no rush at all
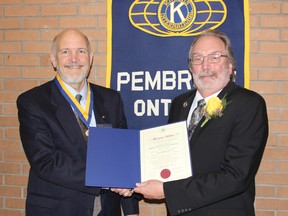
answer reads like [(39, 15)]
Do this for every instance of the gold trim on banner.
[(246, 44), (109, 44)]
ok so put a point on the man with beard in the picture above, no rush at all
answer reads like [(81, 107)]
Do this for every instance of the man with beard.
[(54, 128), (226, 145)]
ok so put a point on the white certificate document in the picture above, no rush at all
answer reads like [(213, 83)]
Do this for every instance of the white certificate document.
[(164, 153)]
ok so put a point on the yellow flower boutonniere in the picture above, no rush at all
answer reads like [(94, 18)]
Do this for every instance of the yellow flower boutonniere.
[(214, 108)]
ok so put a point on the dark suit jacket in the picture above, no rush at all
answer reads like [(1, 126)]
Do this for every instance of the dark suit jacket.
[(225, 153), (56, 151)]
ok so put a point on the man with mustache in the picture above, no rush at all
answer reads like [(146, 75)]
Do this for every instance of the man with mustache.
[(226, 145), (54, 123)]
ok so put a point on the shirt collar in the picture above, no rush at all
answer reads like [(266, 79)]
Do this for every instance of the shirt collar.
[(83, 92)]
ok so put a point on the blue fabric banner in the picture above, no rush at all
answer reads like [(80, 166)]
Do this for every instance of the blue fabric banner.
[(148, 44)]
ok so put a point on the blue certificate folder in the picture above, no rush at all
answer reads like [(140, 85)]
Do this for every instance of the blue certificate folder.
[(113, 157)]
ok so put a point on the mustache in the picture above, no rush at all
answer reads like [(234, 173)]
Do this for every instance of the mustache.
[(73, 65), (206, 73)]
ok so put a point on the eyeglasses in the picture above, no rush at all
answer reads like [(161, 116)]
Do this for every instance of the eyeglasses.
[(211, 58)]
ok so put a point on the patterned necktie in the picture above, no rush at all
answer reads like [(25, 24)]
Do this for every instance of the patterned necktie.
[(97, 202), (196, 117), (82, 125)]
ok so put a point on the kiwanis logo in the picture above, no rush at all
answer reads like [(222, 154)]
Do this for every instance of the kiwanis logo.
[(168, 18)]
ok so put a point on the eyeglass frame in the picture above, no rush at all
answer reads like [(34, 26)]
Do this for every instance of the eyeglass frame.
[(219, 55)]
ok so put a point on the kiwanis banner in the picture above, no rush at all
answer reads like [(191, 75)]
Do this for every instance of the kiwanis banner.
[(148, 44)]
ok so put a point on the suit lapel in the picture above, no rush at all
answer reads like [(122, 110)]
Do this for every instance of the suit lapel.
[(66, 116), (226, 91), (185, 107), (100, 108)]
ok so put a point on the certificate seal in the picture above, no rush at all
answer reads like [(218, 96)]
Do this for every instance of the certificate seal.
[(165, 173)]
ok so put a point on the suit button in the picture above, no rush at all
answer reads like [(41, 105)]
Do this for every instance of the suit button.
[(89, 212)]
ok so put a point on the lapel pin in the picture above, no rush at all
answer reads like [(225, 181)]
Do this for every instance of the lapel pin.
[(185, 104)]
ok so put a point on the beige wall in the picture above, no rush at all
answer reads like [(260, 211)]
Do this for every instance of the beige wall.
[(26, 30)]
